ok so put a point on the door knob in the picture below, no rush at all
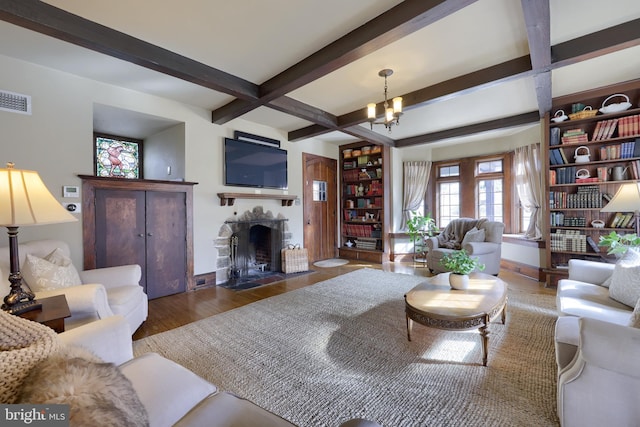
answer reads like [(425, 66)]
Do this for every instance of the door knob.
[(149, 234), (141, 235)]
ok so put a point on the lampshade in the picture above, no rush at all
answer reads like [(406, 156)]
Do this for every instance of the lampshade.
[(25, 200), (627, 199)]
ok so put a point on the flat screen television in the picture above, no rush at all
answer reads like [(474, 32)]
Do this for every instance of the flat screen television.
[(248, 164)]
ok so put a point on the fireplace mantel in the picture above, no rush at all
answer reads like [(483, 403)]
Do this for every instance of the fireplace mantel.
[(230, 198)]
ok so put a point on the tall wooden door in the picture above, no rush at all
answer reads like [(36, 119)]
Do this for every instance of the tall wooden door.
[(319, 210), (146, 228)]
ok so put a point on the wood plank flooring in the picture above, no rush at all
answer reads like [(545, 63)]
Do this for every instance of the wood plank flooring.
[(177, 310)]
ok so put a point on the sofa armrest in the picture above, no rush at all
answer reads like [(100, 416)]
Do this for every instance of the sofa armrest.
[(83, 299), (112, 277), (109, 339), (589, 271), (480, 248), (431, 242)]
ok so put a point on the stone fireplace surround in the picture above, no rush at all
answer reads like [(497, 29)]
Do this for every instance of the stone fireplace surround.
[(241, 225)]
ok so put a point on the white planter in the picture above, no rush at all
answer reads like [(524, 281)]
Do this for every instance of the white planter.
[(459, 281)]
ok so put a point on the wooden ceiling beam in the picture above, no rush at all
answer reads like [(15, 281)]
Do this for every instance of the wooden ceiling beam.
[(388, 27), (596, 44), (537, 17), (503, 123), (43, 18)]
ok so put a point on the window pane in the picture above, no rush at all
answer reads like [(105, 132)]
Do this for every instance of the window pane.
[(490, 199), (446, 171), (492, 166), (319, 191), (449, 202), (117, 158)]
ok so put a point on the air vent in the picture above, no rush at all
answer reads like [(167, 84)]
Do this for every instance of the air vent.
[(15, 102)]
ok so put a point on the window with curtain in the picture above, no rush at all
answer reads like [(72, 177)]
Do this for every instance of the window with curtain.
[(475, 187)]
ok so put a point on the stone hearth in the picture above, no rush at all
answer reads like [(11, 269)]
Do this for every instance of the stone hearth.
[(259, 237)]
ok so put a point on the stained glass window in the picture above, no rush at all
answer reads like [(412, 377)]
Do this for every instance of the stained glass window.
[(118, 157)]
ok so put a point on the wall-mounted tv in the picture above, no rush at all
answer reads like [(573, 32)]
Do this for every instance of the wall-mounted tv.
[(248, 164)]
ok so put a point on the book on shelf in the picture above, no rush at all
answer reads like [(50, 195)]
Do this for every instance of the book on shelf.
[(552, 177), (593, 244), (554, 136), (624, 222), (563, 156), (616, 219)]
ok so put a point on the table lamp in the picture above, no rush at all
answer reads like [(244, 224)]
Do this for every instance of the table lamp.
[(24, 200), (627, 199)]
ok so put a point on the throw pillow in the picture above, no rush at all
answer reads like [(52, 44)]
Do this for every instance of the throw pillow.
[(473, 235), (98, 393), (54, 271), (625, 280)]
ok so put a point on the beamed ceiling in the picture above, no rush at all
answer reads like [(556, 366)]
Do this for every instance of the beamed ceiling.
[(308, 68)]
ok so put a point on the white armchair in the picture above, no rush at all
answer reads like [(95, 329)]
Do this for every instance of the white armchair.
[(103, 292), (601, 384)]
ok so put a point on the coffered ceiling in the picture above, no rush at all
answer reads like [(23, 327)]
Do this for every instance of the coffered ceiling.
[(464, 67)]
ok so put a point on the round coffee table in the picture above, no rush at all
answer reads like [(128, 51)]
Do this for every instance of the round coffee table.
[(433, 303)]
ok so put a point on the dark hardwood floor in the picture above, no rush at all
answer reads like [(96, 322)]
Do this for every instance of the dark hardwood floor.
[(177, 310)]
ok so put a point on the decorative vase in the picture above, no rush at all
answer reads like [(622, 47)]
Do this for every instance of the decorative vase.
[(458, 281)]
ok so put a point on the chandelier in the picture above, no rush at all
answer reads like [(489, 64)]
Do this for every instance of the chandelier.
[(392, 112)]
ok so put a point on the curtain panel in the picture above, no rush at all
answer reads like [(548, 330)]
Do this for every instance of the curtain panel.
[(416, 179)]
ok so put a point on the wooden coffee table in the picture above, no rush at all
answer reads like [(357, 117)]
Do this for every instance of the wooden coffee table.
[(433, 303)]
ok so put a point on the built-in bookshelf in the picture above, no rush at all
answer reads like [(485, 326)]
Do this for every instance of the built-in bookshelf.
[(364, 230), (588, 157)]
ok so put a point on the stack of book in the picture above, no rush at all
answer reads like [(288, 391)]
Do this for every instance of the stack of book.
[(629, 126), (568, 241), (574, 136), (604, 129)]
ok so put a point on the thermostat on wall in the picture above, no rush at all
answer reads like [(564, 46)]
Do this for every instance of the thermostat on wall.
[(70, 191)]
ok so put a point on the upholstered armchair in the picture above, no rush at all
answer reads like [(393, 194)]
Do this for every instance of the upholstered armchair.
[(91, 294), (601, 384), (481, 239)]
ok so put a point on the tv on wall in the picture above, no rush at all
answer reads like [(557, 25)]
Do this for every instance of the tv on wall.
[(249, 164)]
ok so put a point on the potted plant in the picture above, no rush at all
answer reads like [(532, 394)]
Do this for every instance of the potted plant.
[(418, 227), (460, 264), (619, 244)]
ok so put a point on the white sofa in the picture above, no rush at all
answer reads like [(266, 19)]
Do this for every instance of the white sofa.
[(104, 292), (171, 394), (597, 353)]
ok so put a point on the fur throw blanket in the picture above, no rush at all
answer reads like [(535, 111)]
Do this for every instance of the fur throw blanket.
[(452, 235), (38, 369), (97, 393)]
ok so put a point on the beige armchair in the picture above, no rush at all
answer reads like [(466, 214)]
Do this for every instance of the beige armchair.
[(103, 292), (481, 239)]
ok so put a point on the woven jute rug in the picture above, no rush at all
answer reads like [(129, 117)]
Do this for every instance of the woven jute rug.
[(338, 350)]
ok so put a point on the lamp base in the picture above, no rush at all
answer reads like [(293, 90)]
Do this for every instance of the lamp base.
[(22, 307)]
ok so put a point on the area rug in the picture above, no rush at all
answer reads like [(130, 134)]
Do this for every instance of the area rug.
[(334, 262), (338, 349)]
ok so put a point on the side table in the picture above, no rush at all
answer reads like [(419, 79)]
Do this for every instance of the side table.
[(52, 313)]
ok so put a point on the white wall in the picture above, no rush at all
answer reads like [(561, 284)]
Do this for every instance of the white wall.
[(57, 141), (163, 154)]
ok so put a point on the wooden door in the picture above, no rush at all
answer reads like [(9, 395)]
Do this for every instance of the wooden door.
[(166, 242), (319, 210), (120, 229)]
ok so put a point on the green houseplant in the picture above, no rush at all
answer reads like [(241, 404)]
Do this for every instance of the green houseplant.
[(418, 227), (618, 244), (460, 264)]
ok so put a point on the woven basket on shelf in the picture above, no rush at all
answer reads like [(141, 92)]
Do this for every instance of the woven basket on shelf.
[(587, 112)]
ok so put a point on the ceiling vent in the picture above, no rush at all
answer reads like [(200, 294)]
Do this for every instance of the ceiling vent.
[(15, 102)]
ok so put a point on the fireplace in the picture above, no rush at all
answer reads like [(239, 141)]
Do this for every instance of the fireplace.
[(250, 245)]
